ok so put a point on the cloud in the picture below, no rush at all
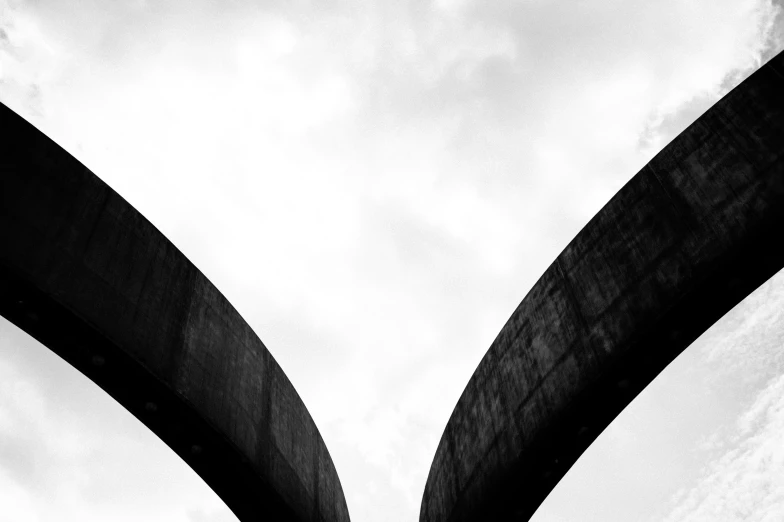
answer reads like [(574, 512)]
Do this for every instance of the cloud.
[(27, 58), (745, 481), (375, 185)]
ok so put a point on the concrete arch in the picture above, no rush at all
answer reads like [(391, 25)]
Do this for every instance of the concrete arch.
[(693, 233), (89, 277)]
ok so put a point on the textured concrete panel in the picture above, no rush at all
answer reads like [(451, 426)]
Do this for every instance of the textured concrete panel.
[(684, 241), (88, 276)]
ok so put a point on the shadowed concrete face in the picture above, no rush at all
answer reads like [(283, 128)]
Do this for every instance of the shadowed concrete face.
[(89, 277), (684, 241)]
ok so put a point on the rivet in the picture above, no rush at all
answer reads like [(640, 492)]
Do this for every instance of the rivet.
[(97, 360)]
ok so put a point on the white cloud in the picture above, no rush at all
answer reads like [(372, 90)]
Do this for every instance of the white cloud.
[(375, 185), (29, 60), (745, 482)]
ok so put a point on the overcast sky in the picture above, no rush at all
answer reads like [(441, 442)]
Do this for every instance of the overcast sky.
[(375, 186)]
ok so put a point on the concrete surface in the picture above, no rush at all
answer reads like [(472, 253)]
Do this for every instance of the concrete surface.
[(89, 277), (684, 241)]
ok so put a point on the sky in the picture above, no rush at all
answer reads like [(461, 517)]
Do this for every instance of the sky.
[(375, 186)]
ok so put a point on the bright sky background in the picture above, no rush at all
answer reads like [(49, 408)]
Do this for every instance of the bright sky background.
[(375, 186)]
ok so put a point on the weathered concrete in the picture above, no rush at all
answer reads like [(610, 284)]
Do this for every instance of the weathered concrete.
[(88, 276), (690, 236)]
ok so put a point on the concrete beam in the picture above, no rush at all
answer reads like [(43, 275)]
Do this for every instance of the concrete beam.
[(89, 277), (684, 241)]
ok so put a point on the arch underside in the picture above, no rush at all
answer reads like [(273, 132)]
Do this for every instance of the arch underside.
[(693, 233), (90, 278)]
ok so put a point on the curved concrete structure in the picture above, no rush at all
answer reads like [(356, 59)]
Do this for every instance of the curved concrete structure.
[(89, 277), (690, 236)]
